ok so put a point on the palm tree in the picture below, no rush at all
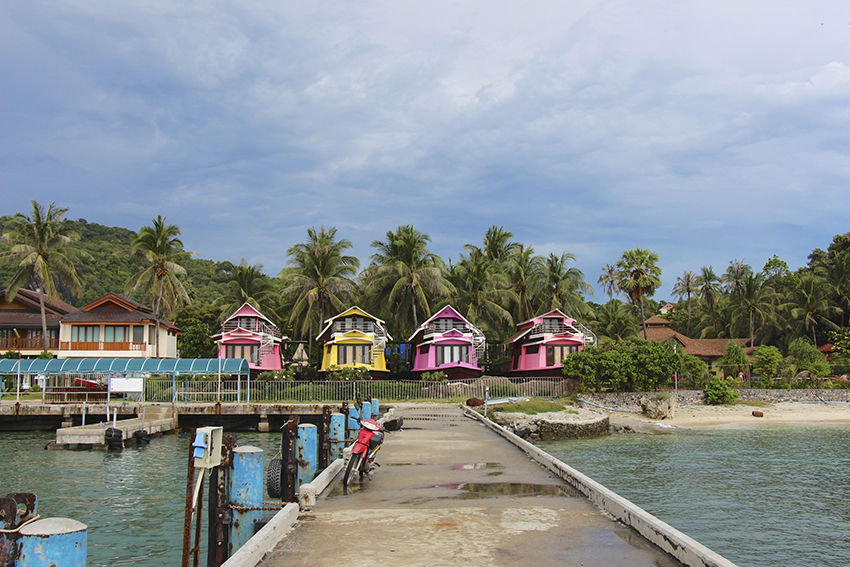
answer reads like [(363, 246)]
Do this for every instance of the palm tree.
[(608, 281), (614, 321), (319, 277), (481, 290), (563, 285), (809, 303), (708, 288), (405, 275), (42, 245), (756, 299), (837, 276), (498, 246), (639, 277), (525, 277), (248, 284), (162, 248), (686, 285), (734, 276)]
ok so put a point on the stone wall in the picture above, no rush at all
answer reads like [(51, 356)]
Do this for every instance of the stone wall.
[(630, 401)]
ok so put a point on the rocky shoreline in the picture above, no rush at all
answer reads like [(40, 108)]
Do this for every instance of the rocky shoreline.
[(572, 423)]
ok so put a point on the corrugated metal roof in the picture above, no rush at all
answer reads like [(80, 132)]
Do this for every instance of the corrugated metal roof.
[(124, 365)]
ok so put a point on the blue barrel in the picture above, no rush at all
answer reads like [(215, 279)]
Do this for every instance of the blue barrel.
[(53, 541), (376, 408), (337, 436), (307, 453), (246, 489)]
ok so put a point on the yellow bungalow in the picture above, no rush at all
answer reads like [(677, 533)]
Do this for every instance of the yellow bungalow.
[(354, 338)]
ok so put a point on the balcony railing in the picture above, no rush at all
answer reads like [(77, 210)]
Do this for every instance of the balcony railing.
[(346, 326), (104, 346), (15, 343), (255, 327)]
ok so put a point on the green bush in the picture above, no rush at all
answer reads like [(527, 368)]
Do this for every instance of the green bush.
[(347, 373), (287, 374), (719, 392), (435, 376)]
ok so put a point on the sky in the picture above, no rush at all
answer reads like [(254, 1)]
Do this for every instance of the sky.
[(703, 131)]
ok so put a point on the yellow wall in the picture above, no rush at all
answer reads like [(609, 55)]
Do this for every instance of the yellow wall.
[(329, 356)]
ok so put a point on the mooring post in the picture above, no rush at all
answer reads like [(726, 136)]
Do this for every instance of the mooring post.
[(53, 541), (366, 412), (352, 425), (337, 436), (376, 408), (306, 453), (246, 491)]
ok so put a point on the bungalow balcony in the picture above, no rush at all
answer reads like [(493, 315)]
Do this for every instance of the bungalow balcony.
[(559, 328), (126, 346), (15, 343), (255, 326), (348, 324)]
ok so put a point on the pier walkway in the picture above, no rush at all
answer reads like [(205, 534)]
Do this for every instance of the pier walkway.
[(452, 492)]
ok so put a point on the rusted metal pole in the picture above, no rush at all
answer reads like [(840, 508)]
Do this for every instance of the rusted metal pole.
[(187, 514)]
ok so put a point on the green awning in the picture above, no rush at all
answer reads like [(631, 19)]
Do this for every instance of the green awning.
[(125, 366)]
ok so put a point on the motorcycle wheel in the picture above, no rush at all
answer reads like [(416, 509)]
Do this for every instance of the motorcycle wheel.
[(353, 465)]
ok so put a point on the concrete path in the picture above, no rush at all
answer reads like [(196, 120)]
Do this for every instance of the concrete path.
[(450, 492)]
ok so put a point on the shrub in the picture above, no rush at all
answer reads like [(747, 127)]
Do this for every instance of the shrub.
[(719, 392), (347, 373), (435, 376), (287, 374)]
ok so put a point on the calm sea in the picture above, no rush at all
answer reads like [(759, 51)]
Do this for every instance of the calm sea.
[(759, 497), (132, 501)]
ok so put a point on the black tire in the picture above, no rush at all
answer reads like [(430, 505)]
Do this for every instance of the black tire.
[(114, 439), (353, 465), (274, 478)]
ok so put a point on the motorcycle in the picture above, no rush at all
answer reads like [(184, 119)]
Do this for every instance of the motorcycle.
[(362, 460)]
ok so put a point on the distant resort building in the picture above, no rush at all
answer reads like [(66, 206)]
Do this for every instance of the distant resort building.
[(542, 343), (354, 338), (249, 334), (450, 343), (20, 323), (707, 350), (115, 326)]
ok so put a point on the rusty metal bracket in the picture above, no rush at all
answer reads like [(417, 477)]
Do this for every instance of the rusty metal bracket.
[(325, 437)]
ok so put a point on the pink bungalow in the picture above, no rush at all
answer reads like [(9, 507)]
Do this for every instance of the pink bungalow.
[(250, 335), (542, 344), (448, 342)]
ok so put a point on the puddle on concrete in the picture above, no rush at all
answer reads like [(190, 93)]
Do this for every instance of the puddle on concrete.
[(401, 464), (495, 473), (473, 490), (475, 466)]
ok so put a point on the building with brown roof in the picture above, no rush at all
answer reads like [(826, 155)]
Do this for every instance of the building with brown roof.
[(707, 350), (20, 323), (115, 326)]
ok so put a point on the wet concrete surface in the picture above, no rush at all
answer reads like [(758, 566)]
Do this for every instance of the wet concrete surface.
[(450, 492)]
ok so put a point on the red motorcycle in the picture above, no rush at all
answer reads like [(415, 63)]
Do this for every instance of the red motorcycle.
[(363, 452)]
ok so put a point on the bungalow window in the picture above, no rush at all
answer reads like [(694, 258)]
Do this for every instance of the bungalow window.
[(424, 349), (532, 349), (116, 333), (85, 333), (138, 334), (451, 353), (555, 354), (241, 351), (353, 354), (248, 323), (553, 325)]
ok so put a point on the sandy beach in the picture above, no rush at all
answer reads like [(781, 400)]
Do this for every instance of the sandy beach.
[(786, 413)]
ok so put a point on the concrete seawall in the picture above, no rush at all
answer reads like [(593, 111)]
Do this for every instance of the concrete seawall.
[(685, 549)]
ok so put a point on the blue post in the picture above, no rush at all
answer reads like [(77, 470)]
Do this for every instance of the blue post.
[(337, 436), (353, 414), (376, 408), (367, 410), (307, 453), (246, 489), (54, 541)]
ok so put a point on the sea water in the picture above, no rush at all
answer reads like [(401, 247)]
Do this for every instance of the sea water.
[(763, 496), (132, 500)]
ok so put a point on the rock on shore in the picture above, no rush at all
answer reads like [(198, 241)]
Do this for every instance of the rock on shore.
[(574, 423)]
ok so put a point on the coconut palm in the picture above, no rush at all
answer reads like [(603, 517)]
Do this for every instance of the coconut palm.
[(405, 276), (639, 277), (614, 321), (524, 271), (563, 286), (756, 301), (41, 243), (809, 304), (734, 276), (319, 278), (498, 246), (837, 277), (481, 290), (686, 285), (608, 281), (160, 246), (248, 284), (708, 288)]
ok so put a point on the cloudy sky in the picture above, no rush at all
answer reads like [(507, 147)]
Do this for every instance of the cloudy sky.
[(703, 131)]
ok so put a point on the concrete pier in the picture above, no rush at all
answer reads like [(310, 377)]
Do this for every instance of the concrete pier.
[(157, 421), (452, 492)]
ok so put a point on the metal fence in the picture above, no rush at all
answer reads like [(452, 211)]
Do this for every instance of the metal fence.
[(275, 391)]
